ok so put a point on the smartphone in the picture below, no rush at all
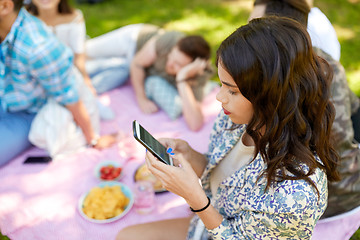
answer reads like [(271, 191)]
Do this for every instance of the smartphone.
[(151, 144), (37, 159)]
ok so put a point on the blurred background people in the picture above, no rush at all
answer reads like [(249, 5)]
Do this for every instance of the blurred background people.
[(322, 33), (68, 25), (168, 69), (35, 67)]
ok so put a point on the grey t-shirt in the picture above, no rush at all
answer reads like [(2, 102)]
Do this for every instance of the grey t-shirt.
[(166, 40)]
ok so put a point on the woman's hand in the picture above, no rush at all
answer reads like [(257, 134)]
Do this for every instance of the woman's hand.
[(181, 180), (177, 145), (197, 160)]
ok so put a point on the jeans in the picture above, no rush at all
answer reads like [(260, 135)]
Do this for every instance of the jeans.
[(14, 130), (110, 57), (108, 73)]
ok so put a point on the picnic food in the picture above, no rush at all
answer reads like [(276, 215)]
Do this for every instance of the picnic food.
[(110, 172), (105, 202), (143, 174)]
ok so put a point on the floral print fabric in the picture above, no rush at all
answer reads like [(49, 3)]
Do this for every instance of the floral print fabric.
[(288, 210)]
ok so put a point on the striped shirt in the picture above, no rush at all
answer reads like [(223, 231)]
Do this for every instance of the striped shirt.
[(34, 66)]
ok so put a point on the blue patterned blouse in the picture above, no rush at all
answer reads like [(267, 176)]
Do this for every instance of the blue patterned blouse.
[(288, 210)]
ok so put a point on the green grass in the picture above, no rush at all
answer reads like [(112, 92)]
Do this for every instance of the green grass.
[(216, 19), (2, 237), (211, 18), (345, 17), (356, 235)]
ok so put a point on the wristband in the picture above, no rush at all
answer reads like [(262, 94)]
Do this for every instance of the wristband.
[(202, 209), (94, 141)]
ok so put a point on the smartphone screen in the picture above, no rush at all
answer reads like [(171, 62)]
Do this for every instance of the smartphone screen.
[(37, 159), (151, 144)]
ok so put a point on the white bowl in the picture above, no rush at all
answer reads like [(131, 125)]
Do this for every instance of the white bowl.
[(125, 189)]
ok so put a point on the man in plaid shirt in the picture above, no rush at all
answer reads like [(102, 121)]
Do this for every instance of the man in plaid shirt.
[(34, 66)]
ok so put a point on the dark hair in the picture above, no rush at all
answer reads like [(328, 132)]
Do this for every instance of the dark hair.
[(63, 7), (17, 5), (272, 62), (194, 46), (295, 9)]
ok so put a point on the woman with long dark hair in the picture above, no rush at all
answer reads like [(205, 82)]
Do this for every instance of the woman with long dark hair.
[(265, 174)]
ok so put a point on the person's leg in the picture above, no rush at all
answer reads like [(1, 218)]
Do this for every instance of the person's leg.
[(117, 43), (105, 112), (108, 73), (14, 130), (164, 95), (174, 229)]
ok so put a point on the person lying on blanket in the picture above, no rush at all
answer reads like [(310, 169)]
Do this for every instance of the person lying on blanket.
[(168, 70)]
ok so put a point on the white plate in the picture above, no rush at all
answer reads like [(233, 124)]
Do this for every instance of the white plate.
[(125, 189), (148, 177)]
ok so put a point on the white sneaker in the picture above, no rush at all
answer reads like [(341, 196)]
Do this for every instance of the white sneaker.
[(106, 113)]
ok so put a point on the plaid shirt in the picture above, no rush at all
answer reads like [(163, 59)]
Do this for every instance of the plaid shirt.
[(34, 66)]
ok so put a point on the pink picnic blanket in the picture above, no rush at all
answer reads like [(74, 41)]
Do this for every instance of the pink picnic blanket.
[(41, 201)]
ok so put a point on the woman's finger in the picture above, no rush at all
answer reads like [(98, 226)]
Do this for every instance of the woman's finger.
[(165, 174), (156, 172), (181, 161), (168, 142), (156, 165)]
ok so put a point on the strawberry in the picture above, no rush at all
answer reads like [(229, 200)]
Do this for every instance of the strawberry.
[(109, 172), (103, 169), (116, 172)]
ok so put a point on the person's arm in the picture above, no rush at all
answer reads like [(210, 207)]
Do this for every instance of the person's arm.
[(192, 111), (191, 108), (58, 83), (82, 119), (210, 216), (142, 59), (77, 44), (253, 214), (184, 182), (79, 61)]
